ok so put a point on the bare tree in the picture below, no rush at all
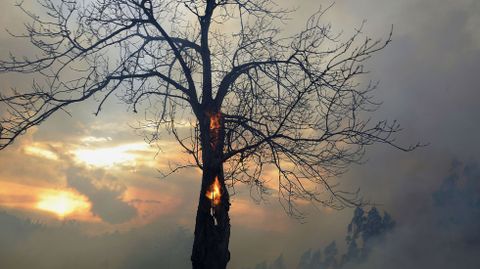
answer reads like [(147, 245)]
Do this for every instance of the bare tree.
[(260, 99)]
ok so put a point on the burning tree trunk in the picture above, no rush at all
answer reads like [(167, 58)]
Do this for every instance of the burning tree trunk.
[(212, 228)]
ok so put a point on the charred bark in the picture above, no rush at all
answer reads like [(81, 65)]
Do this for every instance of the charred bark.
[(212, 227)]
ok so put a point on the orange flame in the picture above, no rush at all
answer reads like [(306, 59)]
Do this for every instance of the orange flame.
[(214, 193), (215, 121), (215, 128)]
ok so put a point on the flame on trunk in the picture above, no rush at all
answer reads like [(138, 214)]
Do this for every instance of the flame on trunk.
[(215, 121), (213, 193), (215, 126)]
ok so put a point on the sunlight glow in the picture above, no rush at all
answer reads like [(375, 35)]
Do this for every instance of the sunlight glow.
[(93, 139), (62, 203), (106, 157), (40, 152)]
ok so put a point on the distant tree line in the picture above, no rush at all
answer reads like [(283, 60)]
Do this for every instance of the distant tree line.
[(364, 232)]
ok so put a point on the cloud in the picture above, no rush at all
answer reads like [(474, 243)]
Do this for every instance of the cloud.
[(107, 202)]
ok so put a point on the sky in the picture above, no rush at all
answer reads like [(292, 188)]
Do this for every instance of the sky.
[(93, 184)]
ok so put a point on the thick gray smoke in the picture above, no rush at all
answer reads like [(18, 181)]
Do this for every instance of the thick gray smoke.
[(25, 245)]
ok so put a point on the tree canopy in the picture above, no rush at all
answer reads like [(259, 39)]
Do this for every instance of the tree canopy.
[(291, 103)]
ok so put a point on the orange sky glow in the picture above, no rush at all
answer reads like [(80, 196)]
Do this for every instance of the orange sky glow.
[(151, 197)]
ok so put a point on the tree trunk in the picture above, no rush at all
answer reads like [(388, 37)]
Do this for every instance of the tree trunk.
[(212, 227)]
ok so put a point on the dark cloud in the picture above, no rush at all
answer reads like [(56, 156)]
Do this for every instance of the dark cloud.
[(106, 200)]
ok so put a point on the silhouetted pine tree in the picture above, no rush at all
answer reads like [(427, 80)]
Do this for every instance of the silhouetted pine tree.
[(364, 231), (330, 252), (279, 263)]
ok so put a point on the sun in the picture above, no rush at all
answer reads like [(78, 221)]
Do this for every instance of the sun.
[(62, 203)]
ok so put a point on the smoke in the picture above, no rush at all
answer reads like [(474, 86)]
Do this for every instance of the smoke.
[(444, 235), (26, 245)]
